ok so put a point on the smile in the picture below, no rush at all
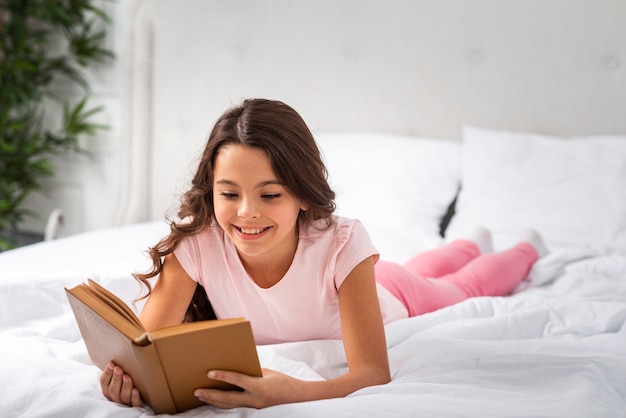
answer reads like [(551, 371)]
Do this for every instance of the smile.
[(251, 231)]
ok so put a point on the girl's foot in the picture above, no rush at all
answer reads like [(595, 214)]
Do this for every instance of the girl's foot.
[(534, 238), (481, 236)]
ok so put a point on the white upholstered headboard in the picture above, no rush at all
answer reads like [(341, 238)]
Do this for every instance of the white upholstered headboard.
[(419, 67)]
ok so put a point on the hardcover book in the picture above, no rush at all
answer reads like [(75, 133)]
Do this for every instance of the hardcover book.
[(167, 364)]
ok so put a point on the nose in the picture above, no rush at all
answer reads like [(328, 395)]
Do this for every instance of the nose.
[(248, 209)]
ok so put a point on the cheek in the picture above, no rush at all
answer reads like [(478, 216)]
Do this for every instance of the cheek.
[(220, 210), (290, 216)]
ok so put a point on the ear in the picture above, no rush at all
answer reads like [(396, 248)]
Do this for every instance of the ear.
[(304, 207)]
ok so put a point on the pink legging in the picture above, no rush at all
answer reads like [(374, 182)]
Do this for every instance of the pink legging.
[(455, 272)]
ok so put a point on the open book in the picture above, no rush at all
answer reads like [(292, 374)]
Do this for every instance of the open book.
[(167, 364)]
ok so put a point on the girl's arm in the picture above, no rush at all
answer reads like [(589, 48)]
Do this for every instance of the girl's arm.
[(166, 306), (364, 344), (170, 297), (362, 327)]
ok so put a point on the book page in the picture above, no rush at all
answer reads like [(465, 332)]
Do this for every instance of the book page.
[(114, 302), (86, 303)]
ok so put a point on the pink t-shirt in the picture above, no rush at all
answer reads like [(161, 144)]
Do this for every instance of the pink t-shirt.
[(304, 304)]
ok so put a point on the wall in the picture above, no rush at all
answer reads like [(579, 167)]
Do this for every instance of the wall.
[(86, 188), (557, 69)]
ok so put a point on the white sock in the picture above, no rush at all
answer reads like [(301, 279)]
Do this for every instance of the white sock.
[(533, 237), (481, 236)]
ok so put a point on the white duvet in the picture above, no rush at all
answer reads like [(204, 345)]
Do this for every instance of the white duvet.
[(557, 350)]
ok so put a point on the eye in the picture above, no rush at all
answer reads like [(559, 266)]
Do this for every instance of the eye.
[(270, 196), (227, 195)]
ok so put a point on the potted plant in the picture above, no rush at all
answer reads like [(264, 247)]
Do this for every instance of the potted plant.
[(44, 44)]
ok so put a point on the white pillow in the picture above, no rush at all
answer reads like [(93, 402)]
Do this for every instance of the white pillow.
[(399, 186), (573, 191)]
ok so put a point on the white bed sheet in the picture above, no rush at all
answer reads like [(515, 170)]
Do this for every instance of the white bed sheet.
[(554, 350)]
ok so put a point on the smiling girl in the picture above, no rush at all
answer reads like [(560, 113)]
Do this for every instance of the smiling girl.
[(257, 238)]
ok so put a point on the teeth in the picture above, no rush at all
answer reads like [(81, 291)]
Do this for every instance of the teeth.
[(251, 231)]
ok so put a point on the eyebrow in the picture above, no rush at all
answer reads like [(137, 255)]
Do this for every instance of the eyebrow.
[(258, 186)]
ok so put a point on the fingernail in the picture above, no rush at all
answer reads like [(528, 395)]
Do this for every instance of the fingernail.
[(211, 374)]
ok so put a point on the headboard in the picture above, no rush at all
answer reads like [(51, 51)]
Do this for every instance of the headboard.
[(418, 67)]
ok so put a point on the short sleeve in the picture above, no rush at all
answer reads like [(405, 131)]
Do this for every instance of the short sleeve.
[(188, 254), (353, 246)]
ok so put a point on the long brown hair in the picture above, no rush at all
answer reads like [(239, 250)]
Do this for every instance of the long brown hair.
[(294, 156)]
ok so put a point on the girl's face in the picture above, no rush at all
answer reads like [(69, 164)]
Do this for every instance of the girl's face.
[(253, 207)]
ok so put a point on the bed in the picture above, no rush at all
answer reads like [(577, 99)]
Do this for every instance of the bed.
[(433, 117)]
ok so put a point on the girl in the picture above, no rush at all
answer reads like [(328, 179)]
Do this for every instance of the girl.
[(257, 233)]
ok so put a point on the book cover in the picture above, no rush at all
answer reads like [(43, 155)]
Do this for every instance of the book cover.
[(167, 364)]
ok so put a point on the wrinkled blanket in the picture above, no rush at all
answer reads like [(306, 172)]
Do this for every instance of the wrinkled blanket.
[(553, 350)]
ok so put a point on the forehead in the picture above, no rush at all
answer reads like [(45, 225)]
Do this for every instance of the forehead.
[(242, 161)]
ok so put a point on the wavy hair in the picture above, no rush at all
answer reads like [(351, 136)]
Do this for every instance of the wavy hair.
[(280, 131)]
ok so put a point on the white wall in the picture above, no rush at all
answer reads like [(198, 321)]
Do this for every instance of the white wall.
[(86, 189), (557, 70)]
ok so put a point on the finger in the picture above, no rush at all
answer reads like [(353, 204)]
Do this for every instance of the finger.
[(136, 398), (115, 385), (105, 380), (126, 390), (224, 399), (238, 379)]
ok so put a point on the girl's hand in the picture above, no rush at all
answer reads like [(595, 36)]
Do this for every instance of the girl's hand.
[(118, 387), (258, 392)]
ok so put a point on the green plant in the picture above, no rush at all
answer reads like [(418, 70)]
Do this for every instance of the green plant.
[(44, 44)]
